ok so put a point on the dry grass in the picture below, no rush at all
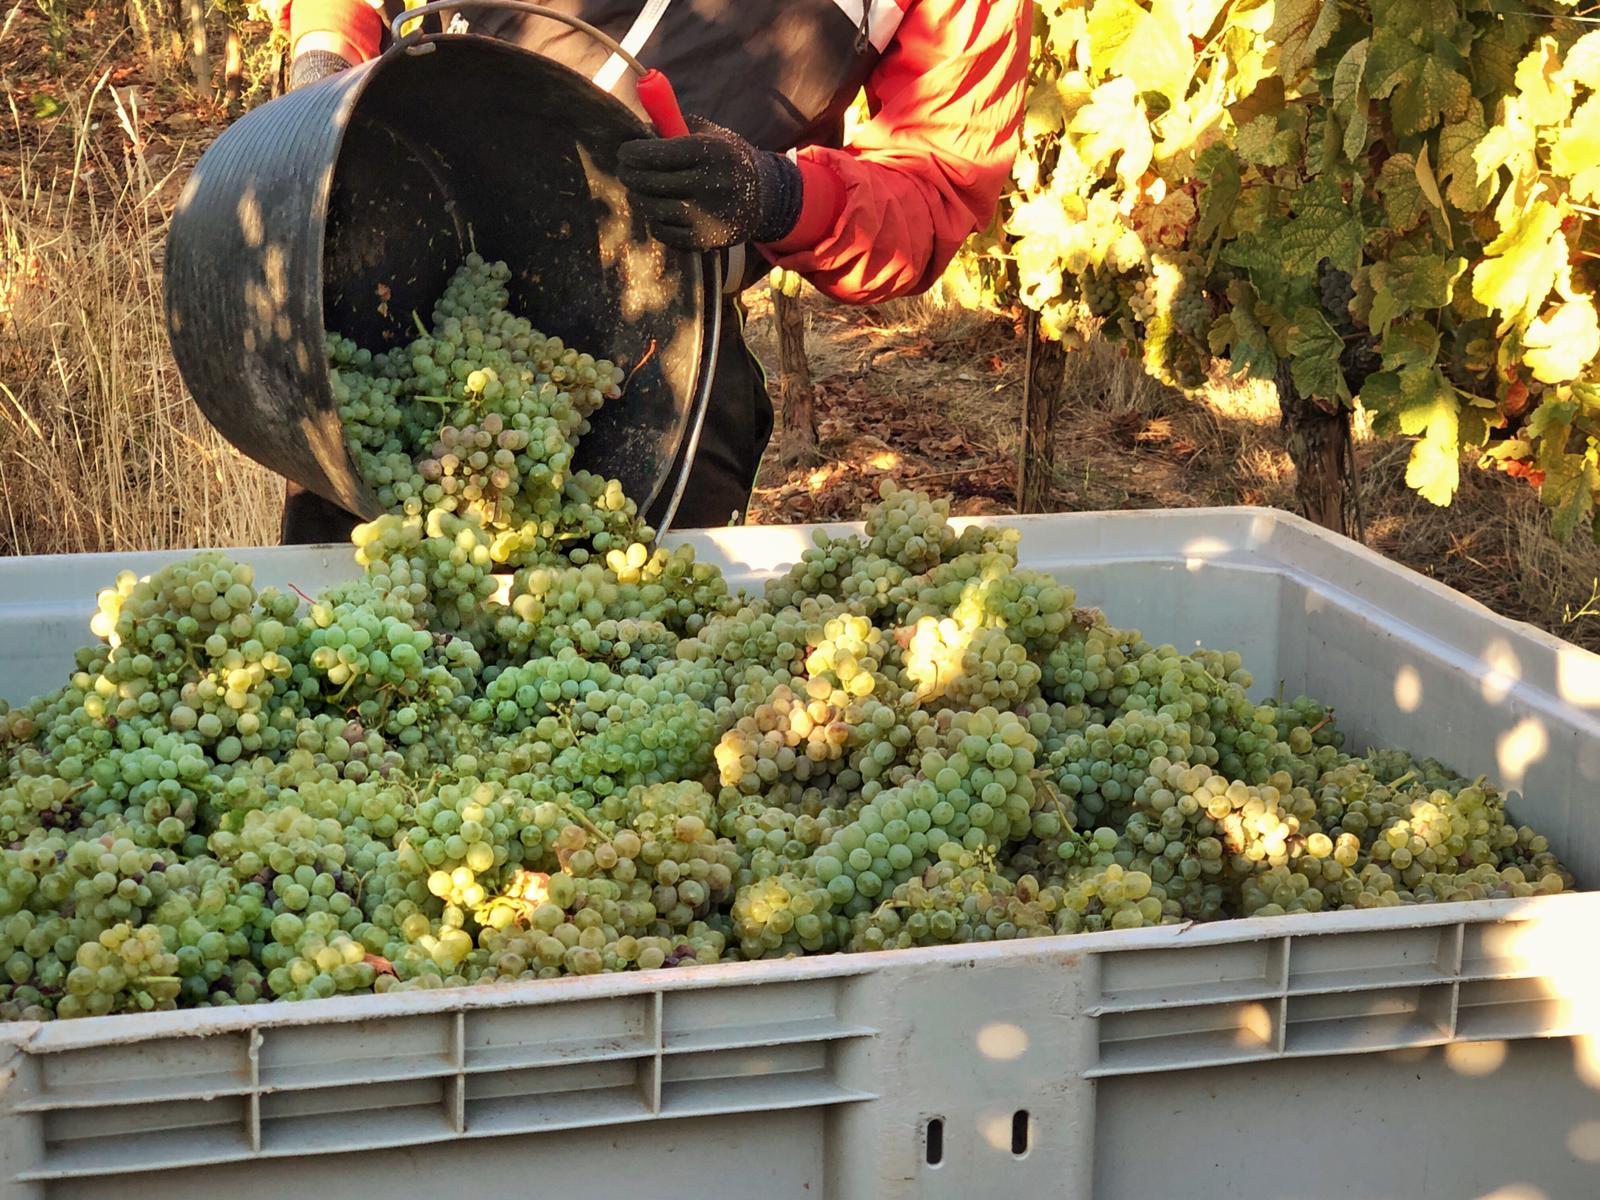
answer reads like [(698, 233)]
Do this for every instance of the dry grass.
[(100, 446)]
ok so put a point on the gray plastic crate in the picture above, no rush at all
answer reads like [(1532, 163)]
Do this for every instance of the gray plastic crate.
[(1446, 1051)]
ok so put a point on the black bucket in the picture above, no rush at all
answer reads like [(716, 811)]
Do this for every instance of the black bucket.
[(346, 205)]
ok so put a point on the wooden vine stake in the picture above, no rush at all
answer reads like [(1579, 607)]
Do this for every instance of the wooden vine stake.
[(233, 71), (797, 442), (1041, 404), (194, 12)]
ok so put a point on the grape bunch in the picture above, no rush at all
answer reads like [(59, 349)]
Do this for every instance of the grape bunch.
[(480, 416)]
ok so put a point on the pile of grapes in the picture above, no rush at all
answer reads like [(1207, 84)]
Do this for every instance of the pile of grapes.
[(423, 778)]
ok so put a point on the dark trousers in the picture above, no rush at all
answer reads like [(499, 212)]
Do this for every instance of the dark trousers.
[(737, 426)]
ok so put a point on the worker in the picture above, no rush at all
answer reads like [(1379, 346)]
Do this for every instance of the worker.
[(764, 177)]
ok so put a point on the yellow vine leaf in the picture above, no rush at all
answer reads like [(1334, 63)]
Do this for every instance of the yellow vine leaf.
[(1581, 63), (1522, 264), (1544, 99), (1432, 414), (1562, 343), (1146, 48), (1113, 123), (1576, 153), (1511, 142)]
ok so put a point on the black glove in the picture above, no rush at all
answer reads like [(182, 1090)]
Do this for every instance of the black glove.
[(314, 65), (710, 189)]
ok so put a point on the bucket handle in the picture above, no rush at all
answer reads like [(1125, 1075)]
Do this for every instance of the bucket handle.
[(655, 90)]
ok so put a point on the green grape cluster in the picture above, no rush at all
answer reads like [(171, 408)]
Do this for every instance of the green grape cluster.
[(480, 417), (1099, 292)]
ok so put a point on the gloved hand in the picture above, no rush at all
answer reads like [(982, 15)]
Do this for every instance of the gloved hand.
[(710, 189)]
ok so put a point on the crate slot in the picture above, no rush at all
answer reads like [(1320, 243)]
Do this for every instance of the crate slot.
[(550, 1035), (767, 1033), (1338, 962), (750, 1061), (64, 1126), (362, 1098), (389, 1113), (561, 1097), (755, 1093), (1134, 980), (1357, 1022), (1519, 1008), (1521, 949), (536, 1082), (556, 1054), (152, 1151), (1176, 1038), (357, 1052), (141, 1073), (728, 1012), (318, 1134)]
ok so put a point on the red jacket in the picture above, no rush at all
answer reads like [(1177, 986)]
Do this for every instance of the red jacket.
[(883, 216)]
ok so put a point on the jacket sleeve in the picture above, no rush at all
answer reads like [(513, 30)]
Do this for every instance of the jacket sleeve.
[(884, 216), (352, 29)]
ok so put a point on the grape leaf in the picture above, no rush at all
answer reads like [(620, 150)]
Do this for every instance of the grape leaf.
[(1114, 123), (1263, 143), (1543, 100), (1522, 264), (1413, 17), (1148, 49), (1581, 63), (1410, 345), (1573, 503), (1457, 142), (1561, 343), (1492, 62), (1409, 282), (1392, 59), (1350, 98), (1570, 480), (1576, 152), (1045, 113), (1324, 225), (1239, 335), (1042, 228), (1430, 411), (1402, 197), (1300, 28), (1218, 172), (1436, 94), (1511, 142), (1424, 86), (1552, 420), (1268, 97), (1315, 347)]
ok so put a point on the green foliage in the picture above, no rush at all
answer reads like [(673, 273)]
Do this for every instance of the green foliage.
[(1399, 200)]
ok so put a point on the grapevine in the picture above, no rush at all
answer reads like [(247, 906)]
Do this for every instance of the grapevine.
[(1381, 203)]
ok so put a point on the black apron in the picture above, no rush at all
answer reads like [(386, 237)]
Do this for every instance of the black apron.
[(780, 73)]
